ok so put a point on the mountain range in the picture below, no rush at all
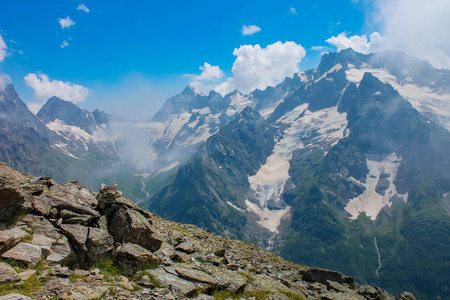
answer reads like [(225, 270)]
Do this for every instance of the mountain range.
[(342, 167)]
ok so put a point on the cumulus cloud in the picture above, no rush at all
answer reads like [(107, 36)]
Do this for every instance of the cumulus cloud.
[(66, 22), (250, 29), (83, 8), (293, 10), (361, 44), (64, 44), (204, 82), (257, 67), (420, 28), (3, 49), (45, 88)]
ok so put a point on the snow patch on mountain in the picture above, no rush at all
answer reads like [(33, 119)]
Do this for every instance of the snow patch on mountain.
[(432, 104), (268, 183), (270, 219), (372, 201), (69, 131), (332, 70)]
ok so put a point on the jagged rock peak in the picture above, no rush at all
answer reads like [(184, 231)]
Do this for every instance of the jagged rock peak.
[(110, 248)]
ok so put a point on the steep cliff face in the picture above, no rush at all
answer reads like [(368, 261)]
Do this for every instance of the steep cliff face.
[(64, 241)]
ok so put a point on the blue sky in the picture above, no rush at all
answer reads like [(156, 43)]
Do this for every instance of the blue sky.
[(135, 54)]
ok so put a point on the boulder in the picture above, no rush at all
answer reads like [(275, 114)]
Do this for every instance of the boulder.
[(195, 275), (99, 243), (7, 273), (40, 225), (323, 276), (77, 235), (181, 286), (61, 252), (229, 280), (129, 226), (25, 252), (186, 247), (10, 238), (133, 257)]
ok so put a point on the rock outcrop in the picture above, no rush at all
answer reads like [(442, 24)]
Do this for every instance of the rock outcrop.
[(62, 241)]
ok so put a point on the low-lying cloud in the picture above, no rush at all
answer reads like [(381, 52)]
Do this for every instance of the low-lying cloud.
[(420, 28)]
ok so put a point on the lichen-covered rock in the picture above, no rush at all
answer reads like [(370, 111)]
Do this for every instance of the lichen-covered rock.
[(181, 286), (129, 226), (99, 243), (7, 273), (10, 238), (25, 252), (77, 235), (186, 247), (133, 257), (61, 252)]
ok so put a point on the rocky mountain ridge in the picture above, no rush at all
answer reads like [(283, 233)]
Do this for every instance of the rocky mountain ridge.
[(62, 241)]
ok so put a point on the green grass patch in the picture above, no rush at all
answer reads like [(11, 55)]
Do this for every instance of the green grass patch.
[(26, 288), (109, 268), (18, 266), (292, 295)]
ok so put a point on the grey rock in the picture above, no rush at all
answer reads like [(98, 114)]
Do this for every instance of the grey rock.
[(67, 214), (77, 235), (7, 273), (186, 247), (84, 220), (25, 275), (132, 257), (10, 238), (43, 241), (40, 225), (99, 243), (177, 284), (129, 226), (25, 252), (15, 296), (43, 205), (195, 275), (61, 252), (323, 276)]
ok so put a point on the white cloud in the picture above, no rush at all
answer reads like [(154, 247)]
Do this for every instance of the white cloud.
[(208, 73), (420, 28), (203, 83), (257, 67), (83, 7), (3, 49), (250, 29), (45, 88), (66, 22), (293, 10), (4, 81), (360, 43), (64, 44)]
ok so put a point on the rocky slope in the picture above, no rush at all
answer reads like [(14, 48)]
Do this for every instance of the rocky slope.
[(62, 241)]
